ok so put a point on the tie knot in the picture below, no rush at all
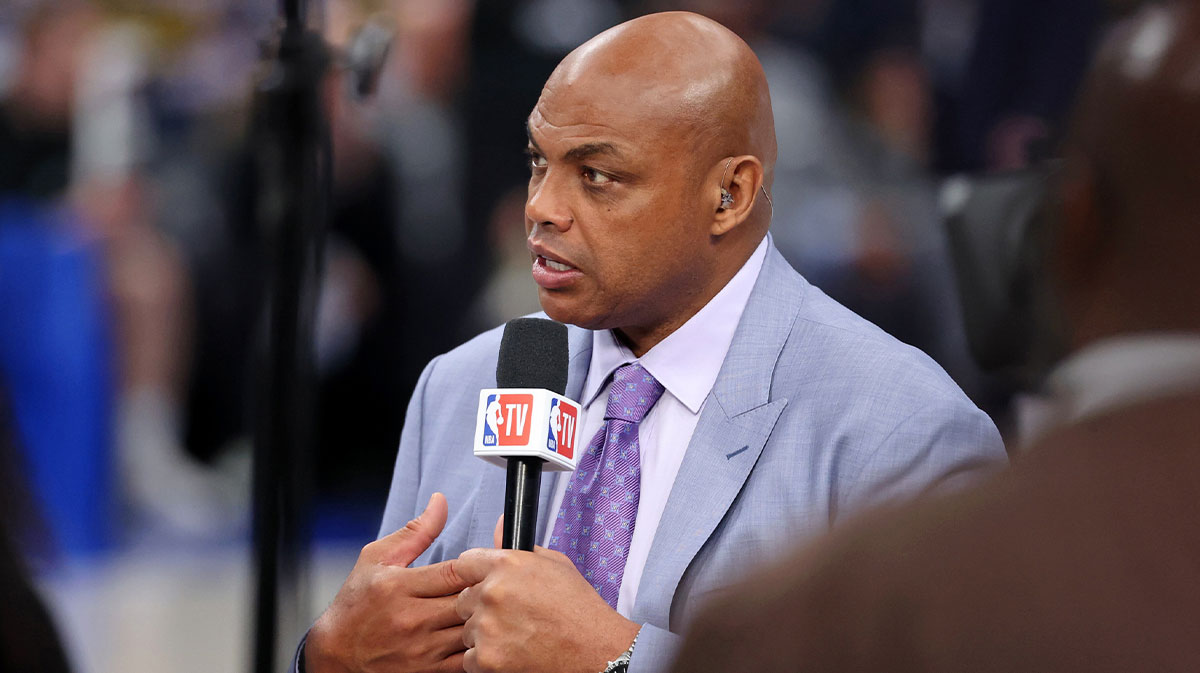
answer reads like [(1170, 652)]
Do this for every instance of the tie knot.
[(634, 391)]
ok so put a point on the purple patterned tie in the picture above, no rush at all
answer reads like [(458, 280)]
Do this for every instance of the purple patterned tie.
[(599, 508)]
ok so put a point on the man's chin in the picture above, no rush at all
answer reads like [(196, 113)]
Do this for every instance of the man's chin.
[(569, 311)]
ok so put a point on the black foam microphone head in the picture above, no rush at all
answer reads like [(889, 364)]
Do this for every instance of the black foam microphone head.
[(533, 354)]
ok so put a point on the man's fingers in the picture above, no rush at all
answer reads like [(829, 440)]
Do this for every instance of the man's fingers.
[(498, 534), (448, 642), (439, 613), (405, 545), (452, 664), (473, 565), (556, 556), (464, 605), (438, 579), (470, 662)]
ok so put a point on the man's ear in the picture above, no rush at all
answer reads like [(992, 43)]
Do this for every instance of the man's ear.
[(737, 193)]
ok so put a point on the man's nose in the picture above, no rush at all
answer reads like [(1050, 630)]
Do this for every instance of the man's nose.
[(547, 203)]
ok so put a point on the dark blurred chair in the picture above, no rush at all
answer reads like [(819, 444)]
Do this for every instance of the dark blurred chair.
[(993, 227)]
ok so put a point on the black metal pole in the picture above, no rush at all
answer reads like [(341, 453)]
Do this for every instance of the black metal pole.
[(292, 155), (294, 14)]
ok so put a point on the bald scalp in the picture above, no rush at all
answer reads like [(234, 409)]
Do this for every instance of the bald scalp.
[(690, 76)]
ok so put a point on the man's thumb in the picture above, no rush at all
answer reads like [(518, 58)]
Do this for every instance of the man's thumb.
[(405, 545), (498, 534)]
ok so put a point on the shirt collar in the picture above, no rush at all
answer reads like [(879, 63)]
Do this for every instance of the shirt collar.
[(1110, 374), (1124, 370), (688, 360)]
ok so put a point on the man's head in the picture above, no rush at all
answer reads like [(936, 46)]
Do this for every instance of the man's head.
[(1125, 251), (634, 136)]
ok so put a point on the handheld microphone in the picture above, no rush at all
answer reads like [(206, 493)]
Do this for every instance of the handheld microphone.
[(526, 422)]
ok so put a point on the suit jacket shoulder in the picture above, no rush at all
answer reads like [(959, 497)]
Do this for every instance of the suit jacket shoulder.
[(816, 413), (890, 405), (887, 419)]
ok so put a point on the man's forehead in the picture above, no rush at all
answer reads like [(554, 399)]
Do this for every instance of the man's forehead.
[(553, 128), (577, 116)]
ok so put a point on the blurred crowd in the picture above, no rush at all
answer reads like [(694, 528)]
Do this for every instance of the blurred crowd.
[(132, 272)]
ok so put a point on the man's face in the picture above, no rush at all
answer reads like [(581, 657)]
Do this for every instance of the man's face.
[(613, 216)]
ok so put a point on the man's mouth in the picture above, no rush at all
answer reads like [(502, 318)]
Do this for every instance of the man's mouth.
[(554, 265), (552, 274)]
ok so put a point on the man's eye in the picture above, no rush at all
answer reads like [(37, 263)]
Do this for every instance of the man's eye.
[(595, 177), (537, 161)]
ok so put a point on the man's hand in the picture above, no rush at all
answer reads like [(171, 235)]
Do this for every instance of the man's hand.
[(389, 617), (532, 612)]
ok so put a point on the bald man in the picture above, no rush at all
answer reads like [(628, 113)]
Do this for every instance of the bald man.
[(1086, 555), (731, 407)]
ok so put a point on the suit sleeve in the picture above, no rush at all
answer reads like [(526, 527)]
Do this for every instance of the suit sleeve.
[(942, 446), (402, 505)]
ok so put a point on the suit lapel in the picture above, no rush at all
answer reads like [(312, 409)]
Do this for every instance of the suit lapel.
[(734, 425), (489, 495)]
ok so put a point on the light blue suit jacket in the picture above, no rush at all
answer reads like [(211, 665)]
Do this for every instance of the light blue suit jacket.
[(815, 413)]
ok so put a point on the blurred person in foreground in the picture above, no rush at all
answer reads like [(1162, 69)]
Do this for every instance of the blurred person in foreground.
[(731, 406), (1082, 557)]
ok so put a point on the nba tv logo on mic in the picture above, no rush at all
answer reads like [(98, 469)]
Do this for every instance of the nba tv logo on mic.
[(506, 420), (527, 422), (562, 428)]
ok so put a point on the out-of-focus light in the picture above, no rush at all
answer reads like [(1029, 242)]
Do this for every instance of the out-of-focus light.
[(1149, 45), (954, 194)]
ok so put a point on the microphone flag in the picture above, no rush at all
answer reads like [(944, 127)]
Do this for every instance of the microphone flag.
[(530, 422)]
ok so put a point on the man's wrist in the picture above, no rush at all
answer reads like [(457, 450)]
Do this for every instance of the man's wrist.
[(621, 663), (314, 657)]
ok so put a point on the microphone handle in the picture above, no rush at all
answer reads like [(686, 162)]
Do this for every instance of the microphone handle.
[(521, 502)]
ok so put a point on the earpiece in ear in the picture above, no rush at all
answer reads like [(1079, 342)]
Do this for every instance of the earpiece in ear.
[(726, 197)]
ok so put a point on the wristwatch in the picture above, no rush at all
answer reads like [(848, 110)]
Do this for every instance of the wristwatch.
[(621, 663)]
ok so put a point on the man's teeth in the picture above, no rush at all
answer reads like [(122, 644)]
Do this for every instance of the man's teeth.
[(557, 266)]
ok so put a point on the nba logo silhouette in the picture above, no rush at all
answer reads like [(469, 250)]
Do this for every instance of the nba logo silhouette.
[(506, 420), (562, 428), (491, 417)]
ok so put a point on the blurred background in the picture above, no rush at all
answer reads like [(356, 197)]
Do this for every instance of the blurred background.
[(132, 273)]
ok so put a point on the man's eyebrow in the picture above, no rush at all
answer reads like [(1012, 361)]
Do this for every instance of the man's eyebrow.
[(587, 150), (529, 134), (580, 152)]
